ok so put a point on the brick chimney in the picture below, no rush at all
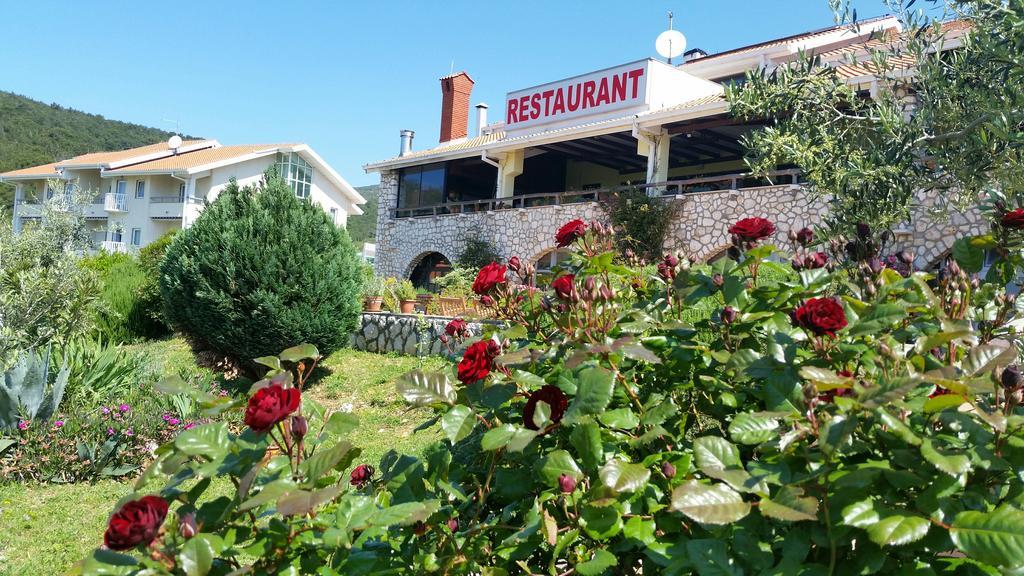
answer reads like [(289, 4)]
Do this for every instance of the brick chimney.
[(455, 90)]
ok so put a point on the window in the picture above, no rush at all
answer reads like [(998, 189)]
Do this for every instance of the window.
[(136, 236), (334, 216), (421, 186), (296, 172), (140, 189), (115, 235), (122, 186), (181, 192)]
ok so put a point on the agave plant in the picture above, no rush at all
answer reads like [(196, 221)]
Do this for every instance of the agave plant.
[(26, 393)]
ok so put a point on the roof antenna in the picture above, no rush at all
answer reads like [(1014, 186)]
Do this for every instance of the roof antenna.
[(451, 69), (177, 125), (670, 43)]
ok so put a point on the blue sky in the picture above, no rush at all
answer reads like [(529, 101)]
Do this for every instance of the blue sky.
[(344, 76)]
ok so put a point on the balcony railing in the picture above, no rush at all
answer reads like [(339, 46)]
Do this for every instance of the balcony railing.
[(114, 246), (166, 200), (741, 181), (114, 202)]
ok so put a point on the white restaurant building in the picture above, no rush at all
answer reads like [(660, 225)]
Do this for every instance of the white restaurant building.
[(142, 193), (560, 145)]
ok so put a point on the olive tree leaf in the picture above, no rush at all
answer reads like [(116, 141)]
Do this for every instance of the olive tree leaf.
[(995, 537), (709, 504), (426, 388), (790, 505), (898, 529), (458, 422), (622, 476)]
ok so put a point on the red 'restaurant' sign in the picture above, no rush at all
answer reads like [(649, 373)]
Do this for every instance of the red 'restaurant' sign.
[(595, 93)]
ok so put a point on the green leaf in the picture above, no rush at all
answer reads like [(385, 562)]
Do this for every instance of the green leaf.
[(969, 253), (836, 432), (302, 502), (586, 439), (887, 390), (790, 505), (196, 556), (593, 392), (986, 357), (601, 561), (715, 452), (943, 402), (405, 514), (877, 319), (209, 440), (556, 463), (709, 504), (109, 563), (995, 537), (952, 464), (341, 423), (754, 427), (621, 418), (601, 522), (458, 423), (861, 514), (426, 388), (621, 476), (541, 415), (509, 436), (897, 427), (711, 558), (898, 529), (300, 352), (326, 459)]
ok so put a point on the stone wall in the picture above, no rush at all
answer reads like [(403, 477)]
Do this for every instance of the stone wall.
[(700, 229), (402, 333)]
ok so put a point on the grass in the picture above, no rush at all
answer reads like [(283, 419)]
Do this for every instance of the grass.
[(45, 529)]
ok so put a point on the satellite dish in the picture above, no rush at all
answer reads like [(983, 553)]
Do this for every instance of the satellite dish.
[(174, 142), (670, 43)]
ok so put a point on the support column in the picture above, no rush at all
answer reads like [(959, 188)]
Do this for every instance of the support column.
[(16, 222), (655, 146), (190, 192), (510, 165)]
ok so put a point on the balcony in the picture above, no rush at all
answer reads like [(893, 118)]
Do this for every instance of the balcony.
[(114, 202), (113, 246), (166, 207)]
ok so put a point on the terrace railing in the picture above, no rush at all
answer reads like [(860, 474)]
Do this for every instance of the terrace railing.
[(738, 181)]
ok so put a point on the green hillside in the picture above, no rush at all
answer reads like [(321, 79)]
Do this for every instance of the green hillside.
[(364, 228), (33, 132)]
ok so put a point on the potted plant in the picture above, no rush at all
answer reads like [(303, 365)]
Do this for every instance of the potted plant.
[(405, 293), (373, 294)]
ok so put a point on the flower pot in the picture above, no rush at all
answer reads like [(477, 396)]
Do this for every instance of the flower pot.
[(373, 303), (407, 306)]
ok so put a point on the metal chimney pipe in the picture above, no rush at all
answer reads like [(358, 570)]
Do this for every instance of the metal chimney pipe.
[(407, 136), (481, 118)]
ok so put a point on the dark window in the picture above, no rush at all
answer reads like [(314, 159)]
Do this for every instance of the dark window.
[(421, 186)]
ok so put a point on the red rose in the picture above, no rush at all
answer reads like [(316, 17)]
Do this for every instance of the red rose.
[(136, 522), (457, 327), (550, 395), (361, 475), (821, 316), (514, 263), (816, 260), (271, 405), (477, 361), (569, 232), (563, 286), (752, 229), (1013, 219), (489, 277), (805, 236)]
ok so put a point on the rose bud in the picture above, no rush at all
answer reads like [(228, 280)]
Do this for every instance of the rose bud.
[(664, 272), (863, 231), (361, 475), (629, 253), (566, 483), (514, 263), (668, 470), (187, 526), (1011, 377), (728, 315), (589, 284), (718, 280), (486, 300), (607, 293), (805, 236), (419, 528), (671, 260), (453, 524), (299, 426), (875, 265), (792, 235), (797, 263)]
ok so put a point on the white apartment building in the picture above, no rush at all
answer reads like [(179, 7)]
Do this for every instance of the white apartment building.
[(141, 193)]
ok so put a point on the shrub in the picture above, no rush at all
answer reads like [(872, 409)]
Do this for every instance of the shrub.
[(150, 258), (98, 370), (478, 252), (458, 283), (260, 269), (126, 315), (642, 222)]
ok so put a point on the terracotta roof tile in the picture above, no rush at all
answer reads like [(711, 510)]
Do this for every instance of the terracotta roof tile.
[(44, 171), (94, 158), (189, 160)]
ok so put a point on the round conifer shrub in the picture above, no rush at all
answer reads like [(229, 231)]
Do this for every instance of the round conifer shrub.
[(259, 271)]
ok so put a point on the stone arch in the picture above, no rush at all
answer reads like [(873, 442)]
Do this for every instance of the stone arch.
[(715, 253), (425, 258), (935, 262)]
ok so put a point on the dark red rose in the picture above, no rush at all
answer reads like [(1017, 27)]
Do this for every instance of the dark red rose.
[(514, 264), (671, 261), (486, 300), (187, 526), (136, 522), (1011, 377), (489, 277), (566, 483), (821, 316), (569, 232), (752, 229), (816, 260), (361, 475), (728, 315), (668, 469), (1013, 219), (299, 426), (477, 362), (453, 524), (563, 286), (550, 395), (457, 327), (665, 271), (271, 405), (805, 236), (830, 395)]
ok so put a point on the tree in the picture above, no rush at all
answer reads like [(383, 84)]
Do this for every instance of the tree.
[(259, 270), (952, 126)]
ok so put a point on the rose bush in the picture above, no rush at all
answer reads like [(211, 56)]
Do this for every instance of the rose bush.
[(800, 429)]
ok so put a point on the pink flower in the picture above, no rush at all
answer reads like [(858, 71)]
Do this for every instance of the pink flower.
[(129, 432), (23, 425), (174, 421), (110, 431), (124, 407), (190, 425), (104, 410), (58, 424)]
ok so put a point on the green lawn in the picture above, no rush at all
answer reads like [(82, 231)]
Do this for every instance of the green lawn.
[(44, 529)]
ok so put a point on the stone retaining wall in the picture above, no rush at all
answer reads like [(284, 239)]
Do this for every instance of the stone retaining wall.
[(384, 332)]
